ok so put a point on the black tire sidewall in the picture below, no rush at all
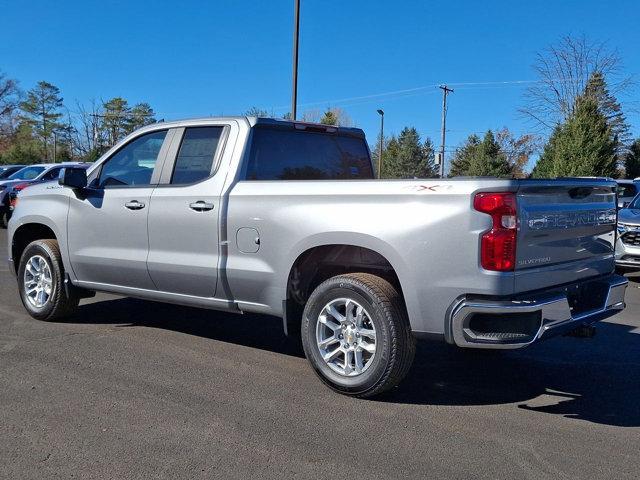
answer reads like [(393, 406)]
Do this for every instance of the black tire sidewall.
[(43, 250), (347, 288)]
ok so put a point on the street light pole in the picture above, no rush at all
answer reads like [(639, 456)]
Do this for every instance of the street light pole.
[(55, 146), (296, 35), (381, 113)]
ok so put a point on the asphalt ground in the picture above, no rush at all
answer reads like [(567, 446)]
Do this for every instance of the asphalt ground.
[(133, 389)]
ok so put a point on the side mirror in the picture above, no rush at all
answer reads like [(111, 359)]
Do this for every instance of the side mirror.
[(73, 177)]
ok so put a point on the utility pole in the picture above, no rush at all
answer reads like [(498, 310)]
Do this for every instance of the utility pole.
[(445, 91), (381, 113), (55, 146), (296, 35)]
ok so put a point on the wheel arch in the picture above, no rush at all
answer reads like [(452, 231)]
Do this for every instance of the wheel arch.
[(26, 233), (328, 255)]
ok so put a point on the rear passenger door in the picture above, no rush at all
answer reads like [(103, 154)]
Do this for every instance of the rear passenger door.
[(184, 214)]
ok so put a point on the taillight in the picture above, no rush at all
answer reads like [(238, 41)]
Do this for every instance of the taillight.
[(498, 245), (13, 196)]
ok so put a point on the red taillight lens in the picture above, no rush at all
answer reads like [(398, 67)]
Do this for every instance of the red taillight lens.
[(498, 245), (20, 187)]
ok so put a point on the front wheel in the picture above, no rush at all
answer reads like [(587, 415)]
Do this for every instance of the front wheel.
[(356, 334), (41, 282)]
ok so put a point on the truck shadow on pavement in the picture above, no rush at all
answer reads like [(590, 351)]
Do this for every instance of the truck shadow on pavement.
[(596, 380)]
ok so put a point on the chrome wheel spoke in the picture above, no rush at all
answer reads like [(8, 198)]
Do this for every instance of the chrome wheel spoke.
[(348, 360), (368, 347), (328, 341), (329, 323), (332, 355), (371, 334), (358, 361), (334, 313)]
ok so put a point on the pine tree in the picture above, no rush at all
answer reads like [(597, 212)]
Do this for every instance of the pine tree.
[(41, 112), (632, 160), (406, 157), (582, 146), (608, 105), (115, 119), (140, 115), (481, 158), (329, 118)]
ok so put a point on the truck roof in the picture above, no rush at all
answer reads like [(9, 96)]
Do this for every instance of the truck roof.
[(275, 122)]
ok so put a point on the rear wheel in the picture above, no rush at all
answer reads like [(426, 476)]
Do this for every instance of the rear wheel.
[(41, 282), (356, 334)]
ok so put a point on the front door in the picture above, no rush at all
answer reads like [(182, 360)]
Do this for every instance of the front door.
[(107, 226), (184, 215)]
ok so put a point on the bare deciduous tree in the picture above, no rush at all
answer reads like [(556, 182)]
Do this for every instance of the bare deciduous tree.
[(563, 72), (518, 150), (9, 100)]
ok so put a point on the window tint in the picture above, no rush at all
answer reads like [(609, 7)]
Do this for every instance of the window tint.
[(195, 157), (627, 190), (303, 155), (27, 173), (133, 164), (52, 174)]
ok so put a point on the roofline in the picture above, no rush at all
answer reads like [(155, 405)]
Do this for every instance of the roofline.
[(253, 121)]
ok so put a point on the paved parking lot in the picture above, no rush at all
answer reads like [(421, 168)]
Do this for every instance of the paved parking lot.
[(133, 389)]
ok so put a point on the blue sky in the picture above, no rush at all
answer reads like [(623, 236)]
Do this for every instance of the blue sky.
[(195, 58)]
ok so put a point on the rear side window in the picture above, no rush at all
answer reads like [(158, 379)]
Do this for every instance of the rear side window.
[(195, 157), (301, 155), (627, 190)]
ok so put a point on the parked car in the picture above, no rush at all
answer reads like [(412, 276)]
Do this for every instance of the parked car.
[(28, 175), (628, 243), (627, 190), (7, 170), (285, 218)]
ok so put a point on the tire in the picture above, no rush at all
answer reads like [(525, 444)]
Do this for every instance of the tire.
[(382, 310), (4, 219), (59, 304)]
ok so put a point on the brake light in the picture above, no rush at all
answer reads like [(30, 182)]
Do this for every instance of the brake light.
[(13, 196), (498, 245)]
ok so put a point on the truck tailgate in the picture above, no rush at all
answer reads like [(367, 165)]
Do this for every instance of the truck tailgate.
[(566, 231)]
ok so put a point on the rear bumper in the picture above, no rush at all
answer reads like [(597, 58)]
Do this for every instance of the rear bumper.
[(519, 322)]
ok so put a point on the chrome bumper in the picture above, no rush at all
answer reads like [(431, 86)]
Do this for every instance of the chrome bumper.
[(555, 315)]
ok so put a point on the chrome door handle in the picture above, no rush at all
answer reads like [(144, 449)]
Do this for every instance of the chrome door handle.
[(134, 205), (201, 206)]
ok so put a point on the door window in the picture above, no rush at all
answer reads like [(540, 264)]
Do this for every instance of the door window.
[(52, 174), (133, 164), (196, 155)]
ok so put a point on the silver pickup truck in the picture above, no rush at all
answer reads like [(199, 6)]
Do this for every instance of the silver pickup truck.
[(285, 218)]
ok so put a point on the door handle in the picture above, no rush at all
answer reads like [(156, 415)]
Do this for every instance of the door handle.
[(134, 205), (201, 206)]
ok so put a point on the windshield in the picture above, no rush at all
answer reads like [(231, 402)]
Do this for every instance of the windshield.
[(27, 173), (635, 204)]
